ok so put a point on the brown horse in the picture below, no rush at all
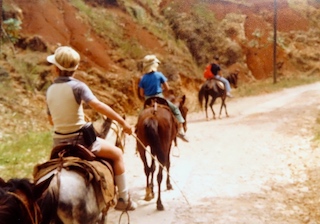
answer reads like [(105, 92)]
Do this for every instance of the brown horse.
[(157, 128), (18, 201), (216, 89)]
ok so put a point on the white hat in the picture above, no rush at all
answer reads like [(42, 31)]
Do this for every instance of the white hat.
[(65, 58), (150, 63)]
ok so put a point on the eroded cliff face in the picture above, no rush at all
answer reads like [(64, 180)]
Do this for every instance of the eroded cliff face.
[(112, 36)]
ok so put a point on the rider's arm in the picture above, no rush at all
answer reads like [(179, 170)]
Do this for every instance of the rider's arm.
[(50, 119), (141, 92), (106, 110), (165, 86)]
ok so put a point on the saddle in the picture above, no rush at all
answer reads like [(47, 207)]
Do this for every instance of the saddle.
[(78, 158), (155, 99), (214, 83)]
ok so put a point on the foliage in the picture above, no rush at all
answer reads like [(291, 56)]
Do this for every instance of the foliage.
[(11, 27)]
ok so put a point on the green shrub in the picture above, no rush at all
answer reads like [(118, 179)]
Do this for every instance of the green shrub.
[(12, 29)]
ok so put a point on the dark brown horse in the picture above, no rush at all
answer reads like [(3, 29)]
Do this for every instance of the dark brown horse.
[(216, 89), (157, 128), (18, 201)]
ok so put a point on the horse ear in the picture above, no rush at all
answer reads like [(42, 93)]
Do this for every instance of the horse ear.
[(38, 189), (183, 99), (2, 182)]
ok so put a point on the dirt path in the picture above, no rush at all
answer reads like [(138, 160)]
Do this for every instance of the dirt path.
[(257, 166)]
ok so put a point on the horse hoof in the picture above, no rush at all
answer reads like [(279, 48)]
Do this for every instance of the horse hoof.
[(149, 197), (160, 207)]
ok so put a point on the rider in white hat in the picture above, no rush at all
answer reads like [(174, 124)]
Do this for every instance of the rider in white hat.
[(65, 112), (151, 84)]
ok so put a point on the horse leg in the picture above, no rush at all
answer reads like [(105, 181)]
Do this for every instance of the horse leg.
[(149, 174), (225, 108), (206, 106), (211, 106), (152, 169), (159, 178), (223, 104), (147, 171), (169, 186)]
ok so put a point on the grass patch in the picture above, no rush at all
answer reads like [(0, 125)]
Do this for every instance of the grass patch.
[(19, 155)]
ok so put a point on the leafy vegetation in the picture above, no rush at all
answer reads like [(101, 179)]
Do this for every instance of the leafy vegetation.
[(12, 28)]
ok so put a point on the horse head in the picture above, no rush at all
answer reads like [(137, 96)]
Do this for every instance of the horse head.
[(18, 201), (233, 80), (183, 109), (179, 101), (113, 131)]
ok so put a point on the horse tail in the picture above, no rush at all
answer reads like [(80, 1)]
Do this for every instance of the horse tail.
[(201, 95), (152, 134)]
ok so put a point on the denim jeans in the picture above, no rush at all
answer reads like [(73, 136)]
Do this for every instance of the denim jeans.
[(175, 110), (225, 82)]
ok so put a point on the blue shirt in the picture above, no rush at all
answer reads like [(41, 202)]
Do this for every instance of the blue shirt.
[(151, 83)]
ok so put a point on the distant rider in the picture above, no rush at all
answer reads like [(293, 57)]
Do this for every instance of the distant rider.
[(151, 84)]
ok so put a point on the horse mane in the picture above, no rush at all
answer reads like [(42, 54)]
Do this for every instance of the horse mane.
[(105, 128), (12, 209), (23, 185)]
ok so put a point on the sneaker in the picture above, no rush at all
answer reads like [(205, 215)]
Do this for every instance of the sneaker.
[(229, 95), (182, 137), (125, 206)]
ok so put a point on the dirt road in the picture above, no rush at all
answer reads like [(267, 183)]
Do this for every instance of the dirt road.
[(257, 166)]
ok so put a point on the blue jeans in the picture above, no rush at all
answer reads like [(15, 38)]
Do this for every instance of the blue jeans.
[(225, 82), (175, 110)]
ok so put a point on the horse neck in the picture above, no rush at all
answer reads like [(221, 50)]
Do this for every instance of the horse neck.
[(105, 128)]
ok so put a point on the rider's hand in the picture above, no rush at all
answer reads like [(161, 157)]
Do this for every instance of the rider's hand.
[(127, 128)]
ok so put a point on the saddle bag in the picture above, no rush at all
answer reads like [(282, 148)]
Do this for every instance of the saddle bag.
[(89, 134)]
